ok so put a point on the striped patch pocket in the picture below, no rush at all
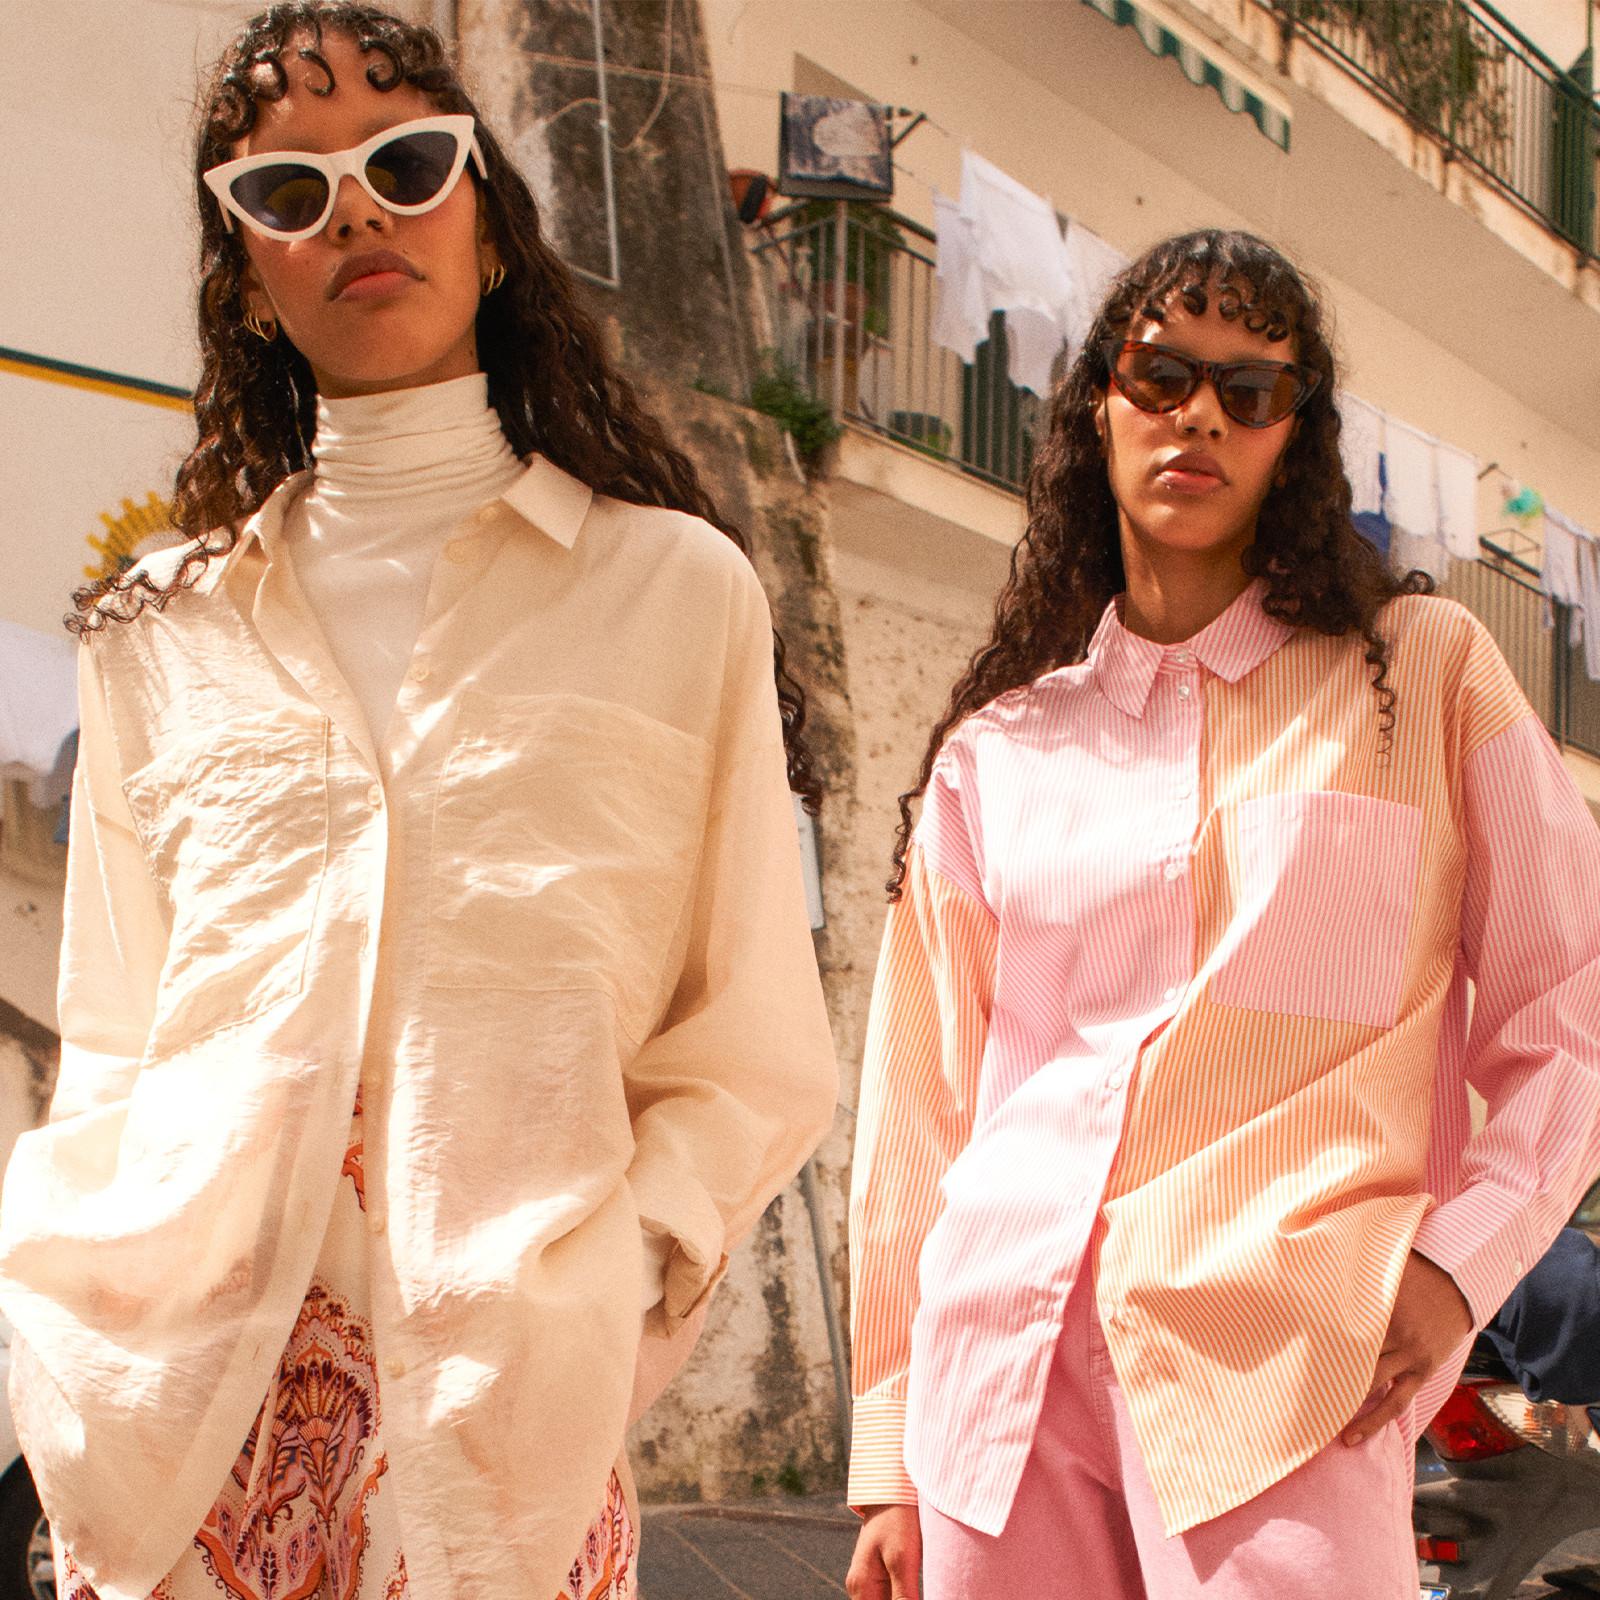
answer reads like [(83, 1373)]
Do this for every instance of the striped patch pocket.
[(1326, 884)]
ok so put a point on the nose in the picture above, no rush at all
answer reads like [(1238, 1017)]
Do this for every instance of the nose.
[(1202, 412), (354, 210)]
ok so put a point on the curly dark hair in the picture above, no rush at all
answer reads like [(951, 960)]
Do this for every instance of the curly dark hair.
[(549, 380), (1320, 573)]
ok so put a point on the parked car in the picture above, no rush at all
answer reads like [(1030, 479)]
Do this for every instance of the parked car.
[(27, 1567), (1506, 1485)]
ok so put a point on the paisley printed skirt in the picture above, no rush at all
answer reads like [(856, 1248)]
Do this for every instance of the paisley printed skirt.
[(303, 1515)]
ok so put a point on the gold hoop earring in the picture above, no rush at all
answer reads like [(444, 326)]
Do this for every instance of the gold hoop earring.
[(496, 276), (266, 332)]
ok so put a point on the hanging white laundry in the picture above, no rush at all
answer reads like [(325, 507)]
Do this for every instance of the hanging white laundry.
[(1022, 264), (1361, 448), (1559, 566), (1091, 265), (1456, 472), (1413, 493), (1588, 564), (38, 708), (960, 319)]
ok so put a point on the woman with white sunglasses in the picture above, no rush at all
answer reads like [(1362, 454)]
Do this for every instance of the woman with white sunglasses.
[(438, 1006)]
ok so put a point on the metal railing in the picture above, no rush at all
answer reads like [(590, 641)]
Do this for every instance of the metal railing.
[(1466, 75), (1534, 634), (852, 312)]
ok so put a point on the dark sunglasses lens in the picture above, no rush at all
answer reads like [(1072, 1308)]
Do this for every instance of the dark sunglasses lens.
[(1153, 379), (411, 170), (287, 196), (1260, 395)]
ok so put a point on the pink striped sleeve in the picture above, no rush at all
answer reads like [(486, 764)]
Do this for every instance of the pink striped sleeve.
[(925, 1041), (1530, 929)]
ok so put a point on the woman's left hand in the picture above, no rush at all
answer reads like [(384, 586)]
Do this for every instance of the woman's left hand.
[(1430, 1319)]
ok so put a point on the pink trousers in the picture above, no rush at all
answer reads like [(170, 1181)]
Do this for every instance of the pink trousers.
[(1085, 1526)]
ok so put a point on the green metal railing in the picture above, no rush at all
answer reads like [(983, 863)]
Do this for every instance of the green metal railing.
[(1535, 636), (852, 311), (1466, 75)]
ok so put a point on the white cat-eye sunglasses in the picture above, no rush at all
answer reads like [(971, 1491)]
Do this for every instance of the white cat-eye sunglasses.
[(289, 194)]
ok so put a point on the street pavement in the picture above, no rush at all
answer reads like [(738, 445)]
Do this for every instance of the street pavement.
[(791, 1548), (782, 1548)]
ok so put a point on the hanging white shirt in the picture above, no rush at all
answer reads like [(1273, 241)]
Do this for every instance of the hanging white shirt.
[(1361, 447)]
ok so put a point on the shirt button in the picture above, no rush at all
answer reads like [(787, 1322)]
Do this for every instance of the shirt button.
[(1183, 658), (1173, 869), (376, 1223), (420, 673), (375, 796), (459, 551), (489, 513), (1184, 691), (1114, 1081), (1171, 994), (395, 1367)]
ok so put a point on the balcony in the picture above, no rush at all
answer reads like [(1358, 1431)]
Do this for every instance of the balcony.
[(852, 314), (1466, 76), (852, 318)]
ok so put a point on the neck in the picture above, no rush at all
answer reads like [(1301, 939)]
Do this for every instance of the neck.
[(1173, 594)]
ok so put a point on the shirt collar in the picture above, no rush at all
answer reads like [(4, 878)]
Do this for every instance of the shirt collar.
[(546, 498), (1124, 665)]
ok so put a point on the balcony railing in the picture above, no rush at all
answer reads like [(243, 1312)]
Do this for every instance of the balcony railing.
[(852, 314), (1534, 634), (1463, 73)]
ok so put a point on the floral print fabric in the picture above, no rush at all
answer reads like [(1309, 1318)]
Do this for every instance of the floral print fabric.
[(304, 1515)]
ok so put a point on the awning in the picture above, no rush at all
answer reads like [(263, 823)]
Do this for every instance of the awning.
[(1203, 63)]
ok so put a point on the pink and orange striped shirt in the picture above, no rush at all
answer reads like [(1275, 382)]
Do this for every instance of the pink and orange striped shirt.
[(1190, 974)]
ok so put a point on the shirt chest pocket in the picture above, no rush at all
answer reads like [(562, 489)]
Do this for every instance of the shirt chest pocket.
[(566, 834), (234, 824), (1327, 887)]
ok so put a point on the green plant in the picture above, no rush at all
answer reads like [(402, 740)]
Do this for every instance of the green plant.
[(778, 392), (1446, 70), (872, 237)]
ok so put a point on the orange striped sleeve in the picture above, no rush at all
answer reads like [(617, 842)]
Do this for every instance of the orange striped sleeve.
[(925, 1042)]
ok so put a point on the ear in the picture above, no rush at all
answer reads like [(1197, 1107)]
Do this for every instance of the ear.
[(1100, 423), (257, 302)]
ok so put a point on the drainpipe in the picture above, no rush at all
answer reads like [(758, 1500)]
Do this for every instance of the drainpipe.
[(614, 280)]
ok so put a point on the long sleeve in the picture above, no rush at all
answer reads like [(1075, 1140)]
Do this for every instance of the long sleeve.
[(739, 1083), (1530, 937), (926, 1036), (115, 935)]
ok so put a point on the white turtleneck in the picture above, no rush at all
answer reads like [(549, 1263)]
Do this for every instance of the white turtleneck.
[(393, 474)]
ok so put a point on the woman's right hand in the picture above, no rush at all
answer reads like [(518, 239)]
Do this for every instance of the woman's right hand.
[(887, 1564)]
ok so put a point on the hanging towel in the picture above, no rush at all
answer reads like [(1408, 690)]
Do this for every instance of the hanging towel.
[(38, 709), (1457, 476), (1091, 265), (1559, 568), (960, 320), (1413, 491), (1361, 446)]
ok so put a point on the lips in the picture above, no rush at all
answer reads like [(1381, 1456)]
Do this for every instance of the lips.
[(1192, 469), (366, 265)]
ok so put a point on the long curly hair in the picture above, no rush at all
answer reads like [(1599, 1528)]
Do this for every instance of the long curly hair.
[(1320, 573), (549, 380)]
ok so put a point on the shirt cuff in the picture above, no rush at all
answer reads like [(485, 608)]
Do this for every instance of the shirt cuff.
[(658, 1248), (1483, 1240), (878, 1474)]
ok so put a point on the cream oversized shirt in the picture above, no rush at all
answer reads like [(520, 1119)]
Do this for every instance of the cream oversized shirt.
[(553, 927)]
